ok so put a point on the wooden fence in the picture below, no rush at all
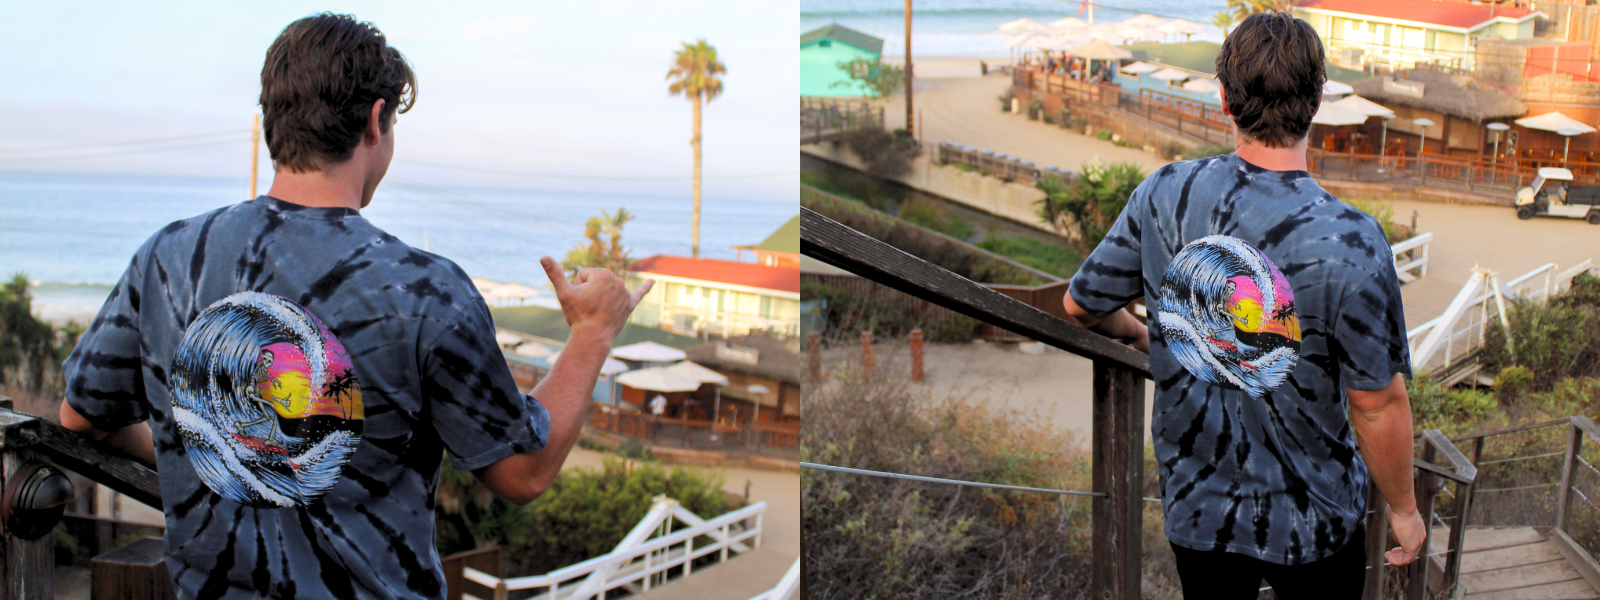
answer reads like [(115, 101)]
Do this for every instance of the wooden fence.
[(779, 440)]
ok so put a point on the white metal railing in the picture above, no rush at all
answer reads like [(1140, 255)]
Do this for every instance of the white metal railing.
[(1460, 330), (787, 588), (1415, 263), (643, 557)]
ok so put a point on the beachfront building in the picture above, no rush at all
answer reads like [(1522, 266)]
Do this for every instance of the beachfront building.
[(1388, 35), (821, 51), (781, 249), (1460, 107), (769, 361), (711, 297)]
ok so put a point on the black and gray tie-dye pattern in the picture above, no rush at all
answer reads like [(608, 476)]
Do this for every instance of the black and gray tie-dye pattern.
[(422, 346), (1277, 478)]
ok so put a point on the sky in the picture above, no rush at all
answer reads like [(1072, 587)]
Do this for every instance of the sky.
[(569, 88)]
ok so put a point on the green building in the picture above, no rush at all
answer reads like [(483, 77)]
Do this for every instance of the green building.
[(821, 51)]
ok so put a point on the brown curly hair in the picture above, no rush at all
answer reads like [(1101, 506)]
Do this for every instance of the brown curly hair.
[(1272, 69), (318, 84)]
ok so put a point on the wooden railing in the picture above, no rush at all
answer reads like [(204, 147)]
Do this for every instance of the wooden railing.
[(823, 119), (695, 433)]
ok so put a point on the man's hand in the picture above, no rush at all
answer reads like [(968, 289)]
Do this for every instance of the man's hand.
[(597, 301), (1410, 531)]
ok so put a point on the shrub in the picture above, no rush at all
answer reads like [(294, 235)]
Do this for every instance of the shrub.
[(1005, 101), (1384, 213), (1556, 340), (1206, 151), (928, 215), (583, 514), (1104, 135), (1434, 405), (634, 449), (886, 154), (1091, 202), (1035, 107), (1170, 149), (1066, 118), (1048, 120)]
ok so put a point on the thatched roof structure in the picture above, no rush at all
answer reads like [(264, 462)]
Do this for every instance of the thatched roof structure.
[(778, 358), (1455, 95)]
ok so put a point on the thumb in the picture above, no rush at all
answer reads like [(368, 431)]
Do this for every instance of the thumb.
[(558, 278), (638, 294)]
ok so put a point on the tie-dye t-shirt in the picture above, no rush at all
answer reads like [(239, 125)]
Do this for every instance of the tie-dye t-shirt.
[(303, 372), (1268, 298)]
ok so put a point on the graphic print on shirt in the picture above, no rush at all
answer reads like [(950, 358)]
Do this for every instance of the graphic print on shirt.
[(1228, 315), (265, 401)]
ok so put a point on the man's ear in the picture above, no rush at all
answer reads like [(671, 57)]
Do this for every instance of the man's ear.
[(1222, 96), (374, 132)]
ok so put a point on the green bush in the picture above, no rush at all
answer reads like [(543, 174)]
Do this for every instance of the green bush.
[(1170, 149), (1103, 135), (928, 215), (886, 154), (1035, 107), (1055, 259), (1557, 340), (1434, 406), (1091, 202), (1206, 151), (583, 514), (1384, 213), (1005, 101), (634, 449)]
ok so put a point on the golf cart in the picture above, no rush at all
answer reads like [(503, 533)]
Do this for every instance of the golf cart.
[(1553, 194)]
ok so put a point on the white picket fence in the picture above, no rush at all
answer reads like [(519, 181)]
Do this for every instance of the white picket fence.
[(1459, 332), (787, 588), (645, 556), (1413, 262)]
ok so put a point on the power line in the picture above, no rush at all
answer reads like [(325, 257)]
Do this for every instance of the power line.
[(123, 143), (998, 486), (124, 152), (69, 232), (585, 177)]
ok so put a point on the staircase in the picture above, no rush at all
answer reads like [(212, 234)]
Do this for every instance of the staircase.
[(1523, 563)]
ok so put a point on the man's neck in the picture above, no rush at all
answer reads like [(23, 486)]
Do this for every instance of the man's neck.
[(1292, 158), (334, 187)]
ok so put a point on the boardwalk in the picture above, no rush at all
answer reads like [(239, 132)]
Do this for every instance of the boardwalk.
[(1516, 563), (740, 578)]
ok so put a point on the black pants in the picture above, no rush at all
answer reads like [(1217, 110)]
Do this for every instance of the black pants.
[(1218, 574)]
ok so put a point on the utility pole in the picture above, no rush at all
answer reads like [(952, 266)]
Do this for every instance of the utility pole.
[(910, 118), (255, 151)]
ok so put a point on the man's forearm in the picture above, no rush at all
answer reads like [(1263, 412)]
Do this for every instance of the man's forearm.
[(1385, 443), (565, 392)]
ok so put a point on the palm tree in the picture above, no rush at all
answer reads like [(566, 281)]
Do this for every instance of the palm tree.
[(605, 249), (694, 75)]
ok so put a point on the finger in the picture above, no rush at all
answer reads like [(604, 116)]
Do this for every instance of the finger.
[(558, 278), (639, 294), (1397, 557)]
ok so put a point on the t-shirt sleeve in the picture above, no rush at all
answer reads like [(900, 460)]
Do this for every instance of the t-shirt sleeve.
[(1113, 275), (474, 403), (1371, 328), (104, 374)]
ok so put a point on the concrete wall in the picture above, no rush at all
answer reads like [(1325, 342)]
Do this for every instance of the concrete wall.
[(1014, 201)]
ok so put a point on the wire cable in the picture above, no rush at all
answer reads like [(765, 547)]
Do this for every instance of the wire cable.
[(123, 143), (121, 153), (1015, 488)]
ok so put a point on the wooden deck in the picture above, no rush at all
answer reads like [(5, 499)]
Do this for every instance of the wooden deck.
[(1517, 563)]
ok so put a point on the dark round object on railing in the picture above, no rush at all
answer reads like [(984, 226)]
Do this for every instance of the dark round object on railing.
[(34, 500)]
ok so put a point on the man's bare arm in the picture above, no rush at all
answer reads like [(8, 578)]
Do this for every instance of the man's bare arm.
[(1120, 324), (1382, 423), (596, 307), (134, 440)]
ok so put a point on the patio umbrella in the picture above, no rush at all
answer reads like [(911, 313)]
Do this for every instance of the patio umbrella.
[(694, 371), (1363, 106), (533, 351), (1107, 32), (1140, 68), (1170, 75), (1068, 23), (1024, 39), (1554, 122), (648, 352), (658, 379), (758, 390), (1202, 85), (1334, 88), (1180, 26), (1100, 50), (612, 366), (1331, 114), (507, 339), (1059, 42), (485, 285), (1023, 24), (1135, 32), (1145, 20)]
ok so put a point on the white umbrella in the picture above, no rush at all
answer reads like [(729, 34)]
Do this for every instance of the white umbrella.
[(657, 380), (1334, 88), (1136, 32), (1023, 24), (485, 285), (510, 290), (1140, 68), (648, 352), (1100, 50), (1060, 42), (1363, 106), (1202, 85), (1180, 26), (758, 390), (1145, 20), (610, 367), (533, 351), (698, 373), (1170, 75), (507, 339), (1068, 23), (1024, 39), (1105, 31), (1556, 122), (1331, 114)]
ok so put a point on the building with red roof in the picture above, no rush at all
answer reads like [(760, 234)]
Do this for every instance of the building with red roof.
[(694, 296), (1399, 34)]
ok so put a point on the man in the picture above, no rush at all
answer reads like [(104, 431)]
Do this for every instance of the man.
[(380, 357), (1276, 331)]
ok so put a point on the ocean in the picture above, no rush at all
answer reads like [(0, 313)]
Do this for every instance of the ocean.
[(73, 235), (962, 27)]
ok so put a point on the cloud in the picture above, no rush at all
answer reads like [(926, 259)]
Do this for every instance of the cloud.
[(493, 28)]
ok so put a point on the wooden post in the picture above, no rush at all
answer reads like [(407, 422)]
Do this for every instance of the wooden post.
[(1574, 443), (916, 355), (910, 116), (255, 151), (1377, 540), (1424, 487), (136, 571), (867, 363), (1118, 459), (27, 568), (814, 354)]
